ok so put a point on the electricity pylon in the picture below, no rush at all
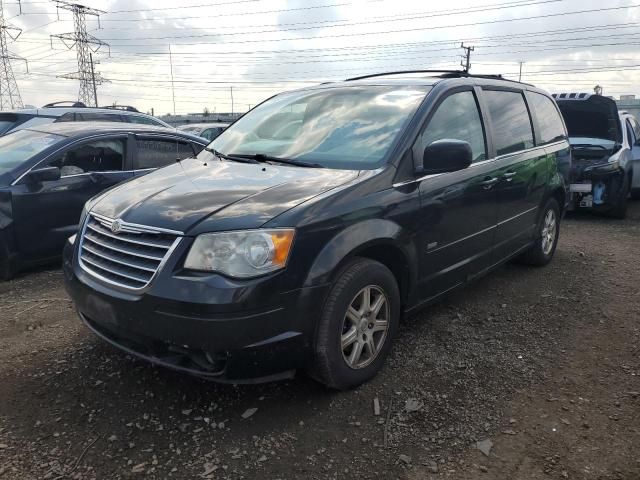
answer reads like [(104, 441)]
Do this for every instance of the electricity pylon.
[(85, 45), (9, 93)]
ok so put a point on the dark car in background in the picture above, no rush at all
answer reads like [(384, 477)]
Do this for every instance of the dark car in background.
[(603, 148), (74, 112), (48, 173), (301, 234)]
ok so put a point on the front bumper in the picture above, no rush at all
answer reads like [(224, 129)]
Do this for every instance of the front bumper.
[(240, 340), (607, 185)]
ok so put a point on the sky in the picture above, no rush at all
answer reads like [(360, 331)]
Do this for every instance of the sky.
[(253, 49)]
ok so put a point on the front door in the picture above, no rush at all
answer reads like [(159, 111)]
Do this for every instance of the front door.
[(47, 213), (458, 209)]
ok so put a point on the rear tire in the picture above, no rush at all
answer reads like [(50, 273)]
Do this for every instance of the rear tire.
[(358, 323), (547, 233), (7, 270)]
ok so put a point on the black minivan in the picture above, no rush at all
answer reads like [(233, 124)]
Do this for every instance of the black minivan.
[(298, 238)]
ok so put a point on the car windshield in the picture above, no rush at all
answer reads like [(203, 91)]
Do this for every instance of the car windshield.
[(17, 147), (342, 127)]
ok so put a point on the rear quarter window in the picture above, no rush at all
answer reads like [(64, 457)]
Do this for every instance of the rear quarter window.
[(549, 122), (512, 130)]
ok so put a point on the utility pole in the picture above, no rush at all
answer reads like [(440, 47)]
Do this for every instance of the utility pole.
[(520, 74), (85, 45), (9, 93), (466, 58), (173, 90)]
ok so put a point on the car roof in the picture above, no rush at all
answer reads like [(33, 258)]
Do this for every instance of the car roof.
[(428, 80), (81, 129)]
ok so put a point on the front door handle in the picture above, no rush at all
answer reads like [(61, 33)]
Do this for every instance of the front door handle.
[(508, 176), (489, 182)]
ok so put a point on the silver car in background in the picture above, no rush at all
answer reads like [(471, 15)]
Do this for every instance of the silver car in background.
[(210, 131)]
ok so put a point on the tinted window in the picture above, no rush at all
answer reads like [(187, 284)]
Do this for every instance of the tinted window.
[(630, 134), (549, 121), (338, 127), (154, 153), (636, 127), (457, 118), (212, 133), (143, 120), (20, 146), (98, 156), (10, 120), (510, 119), (98, 117), (67, 117)]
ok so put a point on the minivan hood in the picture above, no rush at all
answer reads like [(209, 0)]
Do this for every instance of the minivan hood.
[(595, 117), (220, 195)]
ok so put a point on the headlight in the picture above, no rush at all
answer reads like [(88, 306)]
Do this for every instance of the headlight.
[(242, 254)]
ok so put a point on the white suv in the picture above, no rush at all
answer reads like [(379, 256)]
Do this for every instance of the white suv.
[(77, 112)]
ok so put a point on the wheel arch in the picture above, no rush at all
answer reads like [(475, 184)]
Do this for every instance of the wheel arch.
[(381, 240)]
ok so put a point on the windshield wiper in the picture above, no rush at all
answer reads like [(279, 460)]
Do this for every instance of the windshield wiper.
[(233, 158), (261, 157)]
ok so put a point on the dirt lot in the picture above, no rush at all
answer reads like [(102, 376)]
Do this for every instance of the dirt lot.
[(543, 365)]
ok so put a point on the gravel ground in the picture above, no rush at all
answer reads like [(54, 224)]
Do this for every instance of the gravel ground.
[(529, 373)]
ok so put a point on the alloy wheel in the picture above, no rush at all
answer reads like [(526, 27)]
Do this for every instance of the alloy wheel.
[(365, 327)]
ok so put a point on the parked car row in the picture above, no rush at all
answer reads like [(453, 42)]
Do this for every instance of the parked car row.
[(48, 172), (302, 233)]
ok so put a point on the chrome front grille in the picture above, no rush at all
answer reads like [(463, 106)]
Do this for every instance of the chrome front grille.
[(124, 254)]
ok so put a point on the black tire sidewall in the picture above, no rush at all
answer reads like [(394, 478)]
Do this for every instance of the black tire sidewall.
[(369, 272)]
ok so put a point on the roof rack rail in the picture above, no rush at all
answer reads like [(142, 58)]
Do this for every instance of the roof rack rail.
[(127, 108), (65, 104), (399, 72), (443, 74)]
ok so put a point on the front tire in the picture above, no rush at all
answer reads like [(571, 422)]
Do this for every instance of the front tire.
[(358, 323), (547, 233)]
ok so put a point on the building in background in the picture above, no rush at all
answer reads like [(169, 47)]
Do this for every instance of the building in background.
[(176, 120)]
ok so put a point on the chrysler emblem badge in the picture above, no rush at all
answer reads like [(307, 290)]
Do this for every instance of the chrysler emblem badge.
[(116, 226)]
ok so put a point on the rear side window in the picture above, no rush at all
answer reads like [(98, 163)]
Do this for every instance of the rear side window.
[(153, 153), (549, 121), (635, 126), (106, 155), (143, 120), (457, 118), (512, 129), (630, 134), (98, 117), (212, 133)]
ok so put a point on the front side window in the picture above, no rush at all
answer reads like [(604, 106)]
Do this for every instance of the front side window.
[(18, 147), (154, 153), (512, 131), (457, 118), (549, 121), (106, 155), (337, 127)]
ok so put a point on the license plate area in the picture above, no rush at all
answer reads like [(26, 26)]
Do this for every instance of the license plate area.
[(581, 187)]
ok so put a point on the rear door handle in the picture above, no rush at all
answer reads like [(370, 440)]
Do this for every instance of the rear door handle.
[(489, 182), (508, 176)]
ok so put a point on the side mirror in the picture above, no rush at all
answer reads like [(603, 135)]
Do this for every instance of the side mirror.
[(46, 174), (446, 155)]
